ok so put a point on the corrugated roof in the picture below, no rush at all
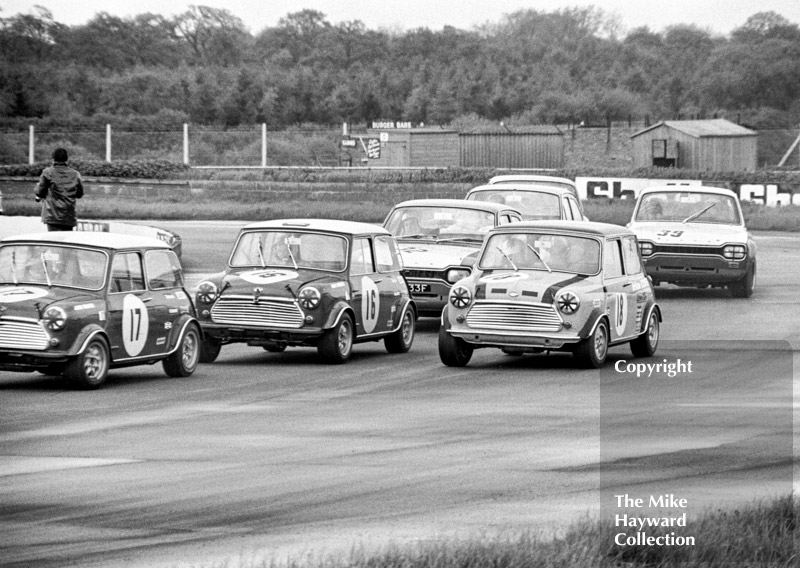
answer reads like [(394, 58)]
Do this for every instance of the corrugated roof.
[(703, 128)]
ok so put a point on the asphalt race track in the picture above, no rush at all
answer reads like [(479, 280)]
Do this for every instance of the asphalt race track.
[(263, 455)]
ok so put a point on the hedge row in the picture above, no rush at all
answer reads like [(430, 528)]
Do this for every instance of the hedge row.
[(162, 169)]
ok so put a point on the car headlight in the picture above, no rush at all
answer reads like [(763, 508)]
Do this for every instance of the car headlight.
[(460, 297), (734, 252), (645, 248), (455, 274), (309, 298), (568, 302), (55, 318), (207, 292)]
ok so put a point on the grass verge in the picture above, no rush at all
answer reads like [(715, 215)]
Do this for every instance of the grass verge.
[(757, 217), (761, 534)]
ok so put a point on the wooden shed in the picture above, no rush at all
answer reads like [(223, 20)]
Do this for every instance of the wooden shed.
[(702, 145), (531, 147), (410, 147)]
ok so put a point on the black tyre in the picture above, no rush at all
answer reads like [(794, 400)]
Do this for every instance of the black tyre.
[(183, 361), (90, 368), (400, 341), (593, 350), (209, 350), (744, 287), (453, 351), (645, 345), (337, 343)]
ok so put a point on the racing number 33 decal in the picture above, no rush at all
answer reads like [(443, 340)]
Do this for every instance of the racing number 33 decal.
[(370, 304), (667, 233), (135, 324)]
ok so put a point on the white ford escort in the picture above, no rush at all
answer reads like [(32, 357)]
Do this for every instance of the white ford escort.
[(695, 237)]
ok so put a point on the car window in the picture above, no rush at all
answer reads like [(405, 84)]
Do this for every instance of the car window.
[(576, 212), (387, 255), (686, 206), (630, 253), (290, 249), (568, 215), (612, 259), (361, 258), (53, 265), (163, 269), (536, 251), (126, 273)]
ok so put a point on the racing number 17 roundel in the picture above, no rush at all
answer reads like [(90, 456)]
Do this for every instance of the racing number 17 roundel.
[(135, 324)]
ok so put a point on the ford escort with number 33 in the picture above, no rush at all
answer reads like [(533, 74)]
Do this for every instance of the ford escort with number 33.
[(695, 236), (541, 286), (77, 304), (308, 282), (435, 237)]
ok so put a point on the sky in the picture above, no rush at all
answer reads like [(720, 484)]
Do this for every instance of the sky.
[(718, 16)]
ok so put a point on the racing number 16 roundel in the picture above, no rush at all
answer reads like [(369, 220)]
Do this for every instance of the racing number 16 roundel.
[(370, 304)]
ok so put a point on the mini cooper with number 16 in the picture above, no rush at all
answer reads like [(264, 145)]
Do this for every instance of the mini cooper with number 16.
[(80, 303), (541, 286), (695, 236), (308, 282)]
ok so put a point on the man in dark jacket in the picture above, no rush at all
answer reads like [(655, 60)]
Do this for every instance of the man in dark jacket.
[(59, 187)]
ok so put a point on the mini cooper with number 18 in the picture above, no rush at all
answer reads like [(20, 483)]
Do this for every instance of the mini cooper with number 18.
[(695, 236), (80, 303), (541, 286), (308, 283)]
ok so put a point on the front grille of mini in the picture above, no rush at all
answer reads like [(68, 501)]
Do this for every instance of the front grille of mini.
[(514, 316), (23, 334), (263, 313)]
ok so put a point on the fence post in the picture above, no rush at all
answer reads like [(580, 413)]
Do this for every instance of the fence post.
[(30, 145), (186, 144), (264, 145), (108, 142)]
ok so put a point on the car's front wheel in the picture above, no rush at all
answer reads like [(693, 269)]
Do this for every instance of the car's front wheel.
[(453, 351), (592, 351), (183, 361), (400, 341), (645, 345), (337, 343), (90, 368), (744, 287)]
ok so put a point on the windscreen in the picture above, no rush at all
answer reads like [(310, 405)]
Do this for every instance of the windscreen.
[(52, 265), (290, 250)]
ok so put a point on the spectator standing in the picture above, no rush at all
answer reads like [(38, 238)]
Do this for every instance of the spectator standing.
[(59, 187)]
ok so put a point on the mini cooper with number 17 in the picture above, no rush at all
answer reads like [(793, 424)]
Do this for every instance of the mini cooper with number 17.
[(308, 283), (541, 286), (80, 303), (695, 236)]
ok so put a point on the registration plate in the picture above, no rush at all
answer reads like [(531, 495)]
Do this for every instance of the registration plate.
[(417, 288)]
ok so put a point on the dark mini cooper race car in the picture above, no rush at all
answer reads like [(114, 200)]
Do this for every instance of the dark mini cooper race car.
[(308, 282), (549, 286), (79, 303)]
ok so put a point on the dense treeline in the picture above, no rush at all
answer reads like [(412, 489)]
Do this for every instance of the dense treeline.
[(532, 67)]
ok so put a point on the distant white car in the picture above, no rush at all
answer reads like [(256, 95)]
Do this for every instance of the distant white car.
[(172, 239), (551, 181), (695, 236), (534, 201)]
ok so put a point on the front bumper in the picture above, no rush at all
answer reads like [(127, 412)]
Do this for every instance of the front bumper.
[(261, 335), (27, 361), (493, 338), (694, 269)]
